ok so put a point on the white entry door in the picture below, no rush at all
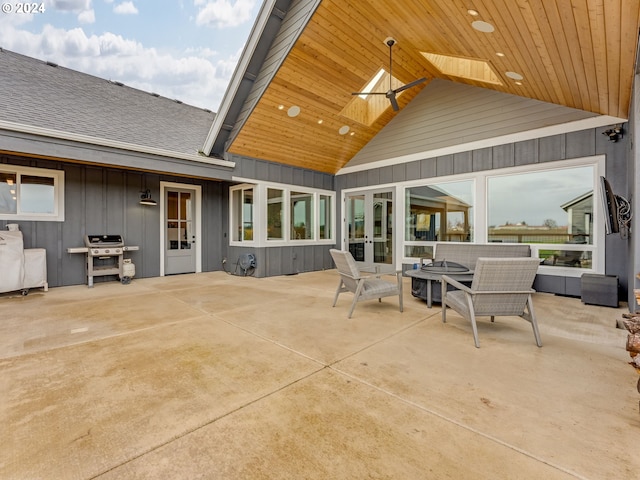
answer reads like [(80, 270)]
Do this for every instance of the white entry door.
[(180, 229)]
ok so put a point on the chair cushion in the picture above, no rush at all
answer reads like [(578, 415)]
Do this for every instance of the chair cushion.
[(374, 286), (458, 301)]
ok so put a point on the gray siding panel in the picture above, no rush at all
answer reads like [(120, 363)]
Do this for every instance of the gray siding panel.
[(469, 113)]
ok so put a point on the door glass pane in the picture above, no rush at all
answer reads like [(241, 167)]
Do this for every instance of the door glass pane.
[(8, 193), (185, 241), (173, 235), (172, 205), (37, 194), (275, 210), (185, 206), (383, 227), (355, 226)]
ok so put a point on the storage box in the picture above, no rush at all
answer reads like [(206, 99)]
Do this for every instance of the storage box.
[(599, 290)]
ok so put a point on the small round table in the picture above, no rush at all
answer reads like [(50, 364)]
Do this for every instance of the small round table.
[(435, 275)]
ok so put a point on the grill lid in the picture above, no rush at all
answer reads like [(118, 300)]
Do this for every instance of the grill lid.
[(103, 240)]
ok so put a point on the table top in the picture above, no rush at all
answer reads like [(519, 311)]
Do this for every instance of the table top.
[(434, 275)]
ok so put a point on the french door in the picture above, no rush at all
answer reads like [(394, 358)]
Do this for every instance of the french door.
[(369, 226)]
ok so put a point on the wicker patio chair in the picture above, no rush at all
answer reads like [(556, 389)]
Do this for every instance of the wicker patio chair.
[(500, 287), (363, 287)]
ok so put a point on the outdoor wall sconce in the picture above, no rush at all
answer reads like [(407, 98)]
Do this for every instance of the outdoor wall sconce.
[(614, 133), (145, 198)]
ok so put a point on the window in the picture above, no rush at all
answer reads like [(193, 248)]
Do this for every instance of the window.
[(301, 216), (242, 214), (275, 215), (553, 208), (326, 209), (31, 194), (440, 212)]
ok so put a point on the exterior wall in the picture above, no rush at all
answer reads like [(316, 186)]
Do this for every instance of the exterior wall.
[(106, 200), (547, 149), (286, 260)]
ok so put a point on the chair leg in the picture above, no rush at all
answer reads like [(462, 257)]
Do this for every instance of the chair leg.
[(443, 300), (335, 299), (534, 323), (356, 296), (472, 319)]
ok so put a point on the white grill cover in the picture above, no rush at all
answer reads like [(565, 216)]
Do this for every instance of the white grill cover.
[(35, 268), (11, 261)]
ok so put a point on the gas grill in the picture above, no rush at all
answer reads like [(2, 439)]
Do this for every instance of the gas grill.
[(105, 256)]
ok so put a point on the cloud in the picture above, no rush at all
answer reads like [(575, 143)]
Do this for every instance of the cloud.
[(224, 13), (191, 78), (125, 8), (87, 16)]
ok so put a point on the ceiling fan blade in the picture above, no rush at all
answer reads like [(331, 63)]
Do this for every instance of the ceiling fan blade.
[(394, 103), (410, 84), (369, 93)]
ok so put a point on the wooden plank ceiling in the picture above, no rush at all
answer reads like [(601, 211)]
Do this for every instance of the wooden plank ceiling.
[(576, 53)]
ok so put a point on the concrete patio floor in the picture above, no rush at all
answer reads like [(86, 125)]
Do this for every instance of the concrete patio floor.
[(220, 377)]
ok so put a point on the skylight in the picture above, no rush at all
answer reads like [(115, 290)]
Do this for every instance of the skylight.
[(372, 84), (478, 70)]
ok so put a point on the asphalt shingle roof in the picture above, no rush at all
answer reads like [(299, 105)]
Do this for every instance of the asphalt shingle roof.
[(40, 94)]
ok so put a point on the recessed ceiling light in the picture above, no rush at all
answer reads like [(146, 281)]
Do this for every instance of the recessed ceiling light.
[(514, 75), (500, 54), (482, 26), (352, 133), (344, 130), (518, 83), (293, 111), (473, 13), (280, 107), (320, 122)]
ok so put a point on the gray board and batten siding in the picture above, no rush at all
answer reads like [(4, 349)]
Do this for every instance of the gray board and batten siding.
[(106, 200), (578, 144), (292, 259)]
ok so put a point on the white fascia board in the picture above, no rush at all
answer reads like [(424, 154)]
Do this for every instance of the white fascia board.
[(238, 73), (75, 137), (585, 124)]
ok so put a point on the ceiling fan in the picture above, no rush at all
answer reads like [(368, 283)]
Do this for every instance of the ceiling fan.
[(391, 93)]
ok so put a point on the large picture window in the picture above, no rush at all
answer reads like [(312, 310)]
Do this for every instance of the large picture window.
[(31, 194), (552, 208), (441, 212)]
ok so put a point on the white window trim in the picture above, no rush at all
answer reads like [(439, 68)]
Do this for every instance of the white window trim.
[(58, 194), (260, 215)]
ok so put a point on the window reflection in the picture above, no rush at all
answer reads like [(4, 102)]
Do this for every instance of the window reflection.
[(301, 216), (8, 193), (439, 212), (542, 207)]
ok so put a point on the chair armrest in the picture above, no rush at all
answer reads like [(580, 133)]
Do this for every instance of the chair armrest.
[(455, 283)]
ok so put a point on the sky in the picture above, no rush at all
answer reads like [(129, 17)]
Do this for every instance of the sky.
[(180, 49)]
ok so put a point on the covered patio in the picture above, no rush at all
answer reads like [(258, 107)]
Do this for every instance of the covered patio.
[(216, 376)]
